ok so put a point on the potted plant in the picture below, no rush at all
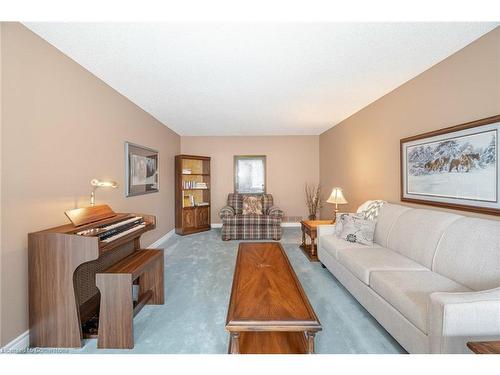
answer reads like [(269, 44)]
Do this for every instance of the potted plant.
[(313, 200)]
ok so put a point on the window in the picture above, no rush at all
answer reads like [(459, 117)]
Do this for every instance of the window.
[(250, 174)]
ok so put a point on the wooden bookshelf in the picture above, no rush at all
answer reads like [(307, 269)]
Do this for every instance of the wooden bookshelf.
[(192, 194)]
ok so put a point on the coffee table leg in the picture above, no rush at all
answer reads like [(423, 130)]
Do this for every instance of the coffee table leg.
[(310, 342), (235, 345), (303, 238)]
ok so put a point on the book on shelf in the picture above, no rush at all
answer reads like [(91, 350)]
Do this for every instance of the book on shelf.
[(201, 204), (188, 201), (186, 171), (194, 185)]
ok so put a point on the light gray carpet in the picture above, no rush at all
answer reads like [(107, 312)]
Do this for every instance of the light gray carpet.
[(198, 276)]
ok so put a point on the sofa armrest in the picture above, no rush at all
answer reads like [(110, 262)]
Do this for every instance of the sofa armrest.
[(455, 318), (275, 212), (324, 230), (226, 211)]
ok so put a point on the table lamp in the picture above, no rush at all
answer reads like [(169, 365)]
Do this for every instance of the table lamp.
[(98, 183), (336, 197)]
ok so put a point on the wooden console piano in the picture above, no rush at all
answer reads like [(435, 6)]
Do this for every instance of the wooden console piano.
[(81, 278)]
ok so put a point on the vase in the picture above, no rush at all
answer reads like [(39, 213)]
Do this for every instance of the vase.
[(312, 217)]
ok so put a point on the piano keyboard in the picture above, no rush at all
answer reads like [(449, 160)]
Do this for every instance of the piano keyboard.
[(124, 233), (111, 232), (124, 222), (109, 227)]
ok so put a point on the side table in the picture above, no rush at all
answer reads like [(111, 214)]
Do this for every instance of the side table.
[(309, 227)]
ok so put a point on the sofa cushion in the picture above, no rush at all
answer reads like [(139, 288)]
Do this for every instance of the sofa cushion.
[(386, 218), (409, 291), (362, 261), (469, 253), (416, 233), (332, 244)]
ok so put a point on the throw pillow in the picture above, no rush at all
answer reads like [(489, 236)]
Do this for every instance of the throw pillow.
[(358, 229), (341, 219), (252, 205), (372, 210)]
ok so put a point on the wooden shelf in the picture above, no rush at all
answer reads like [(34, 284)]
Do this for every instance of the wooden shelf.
[(272, 343), (191, 219)]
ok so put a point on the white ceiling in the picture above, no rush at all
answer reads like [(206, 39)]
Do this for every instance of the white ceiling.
[(256, 78)]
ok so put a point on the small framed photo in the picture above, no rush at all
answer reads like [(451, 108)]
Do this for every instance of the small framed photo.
[(141, 170), (455, 167)]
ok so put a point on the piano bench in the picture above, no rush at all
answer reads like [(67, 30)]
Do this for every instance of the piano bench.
[(117, 309)]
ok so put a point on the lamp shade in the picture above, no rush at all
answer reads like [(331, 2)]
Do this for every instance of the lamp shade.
[(337, 196)]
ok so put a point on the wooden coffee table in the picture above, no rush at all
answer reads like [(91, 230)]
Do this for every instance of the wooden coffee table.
[(309, 227), (484, 347), (269, 313)]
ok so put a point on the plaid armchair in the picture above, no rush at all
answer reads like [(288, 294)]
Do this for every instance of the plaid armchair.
[(236, 226)]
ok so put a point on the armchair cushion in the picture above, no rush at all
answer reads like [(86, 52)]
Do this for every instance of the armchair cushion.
[(251, 227), (252, 220)]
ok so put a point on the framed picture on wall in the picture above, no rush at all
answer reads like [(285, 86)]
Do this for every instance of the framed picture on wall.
[(250, 174), (455, 167), (141, 170)]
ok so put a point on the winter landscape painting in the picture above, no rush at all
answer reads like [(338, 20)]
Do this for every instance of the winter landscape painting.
[(463, 167), (453, 167)]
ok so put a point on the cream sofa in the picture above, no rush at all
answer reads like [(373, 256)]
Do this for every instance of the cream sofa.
[(431, 279)]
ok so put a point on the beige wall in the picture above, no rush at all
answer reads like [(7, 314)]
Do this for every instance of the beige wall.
[(61, 127), (291, 162), (361, 154)]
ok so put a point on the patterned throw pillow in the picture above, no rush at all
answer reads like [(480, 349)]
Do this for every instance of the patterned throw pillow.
[(372, 210), (252, 205), (342, 218), (358, 229)]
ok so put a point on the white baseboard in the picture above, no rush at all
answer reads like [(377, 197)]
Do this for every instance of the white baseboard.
[(19, 344), (161, 239), (283, 225), (290, 225)]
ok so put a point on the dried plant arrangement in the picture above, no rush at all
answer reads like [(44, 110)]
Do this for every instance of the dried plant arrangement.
[(313, 200)]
